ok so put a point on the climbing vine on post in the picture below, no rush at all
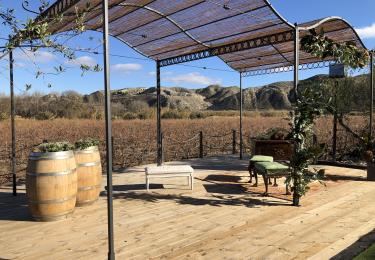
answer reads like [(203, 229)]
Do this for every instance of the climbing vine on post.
[(311, 103)]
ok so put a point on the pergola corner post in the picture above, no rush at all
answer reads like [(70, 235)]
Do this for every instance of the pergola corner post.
[(12, 119), (296, 60), (241, 115), (372, 94), (108, 128), (296, 197), (159, 137)]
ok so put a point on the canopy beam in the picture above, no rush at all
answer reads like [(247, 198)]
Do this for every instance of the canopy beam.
[(230, 48), (306, 66)]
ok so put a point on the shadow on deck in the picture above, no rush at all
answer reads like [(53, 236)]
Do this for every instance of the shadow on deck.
[(212, 200), (14, 207), (357, 247)]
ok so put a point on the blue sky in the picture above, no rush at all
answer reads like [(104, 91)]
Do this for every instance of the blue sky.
[(137, 72)]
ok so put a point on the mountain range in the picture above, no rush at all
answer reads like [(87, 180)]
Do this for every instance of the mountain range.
[(275, 96)]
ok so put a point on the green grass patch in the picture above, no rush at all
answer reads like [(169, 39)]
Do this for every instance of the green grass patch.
[(367, 254)]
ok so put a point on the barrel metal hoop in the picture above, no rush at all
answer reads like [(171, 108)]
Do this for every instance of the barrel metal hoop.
[(57, 201), (88, 164), (86, 202), (52, 217), (49, 174), (86, 188), (36, 156)]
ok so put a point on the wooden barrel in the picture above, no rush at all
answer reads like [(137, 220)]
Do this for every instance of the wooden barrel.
[(51, 185), (89, 172)]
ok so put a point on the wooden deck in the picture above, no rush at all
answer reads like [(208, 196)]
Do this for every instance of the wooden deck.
[(223, 218)]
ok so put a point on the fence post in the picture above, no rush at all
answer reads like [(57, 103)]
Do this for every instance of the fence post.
[(162, 147), (201, 144), (234, 141), (113, 150), (334, 138)]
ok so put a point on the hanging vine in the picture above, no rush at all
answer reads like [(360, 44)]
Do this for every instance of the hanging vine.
[(32, 34), (311, 103), (320, 46)]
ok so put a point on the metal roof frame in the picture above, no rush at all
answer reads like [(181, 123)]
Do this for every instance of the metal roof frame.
[(226, 51)]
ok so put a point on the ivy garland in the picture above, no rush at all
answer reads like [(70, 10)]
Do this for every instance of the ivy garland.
[(320, 46), (310, 105)]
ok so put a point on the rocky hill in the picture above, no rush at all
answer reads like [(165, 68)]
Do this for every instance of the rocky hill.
[(214, 97)]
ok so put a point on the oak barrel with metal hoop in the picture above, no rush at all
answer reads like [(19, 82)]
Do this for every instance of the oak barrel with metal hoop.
[(89, 171), (51, 185)]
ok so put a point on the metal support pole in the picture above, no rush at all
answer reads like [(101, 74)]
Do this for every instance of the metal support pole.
[(296, 59), (108, 128), (296, 197), (158, 116), (13, 126), (241, 115), (372, 93)]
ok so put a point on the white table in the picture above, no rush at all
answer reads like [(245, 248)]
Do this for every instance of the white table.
[(169, 171)]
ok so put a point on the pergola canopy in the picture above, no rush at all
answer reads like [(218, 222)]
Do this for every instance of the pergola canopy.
[(249, 35)]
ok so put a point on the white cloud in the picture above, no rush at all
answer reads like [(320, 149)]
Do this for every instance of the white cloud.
[(367, 31), (192, 78), (37, 56), (19, 65), (164, 73), (126, 67), (83, 60)]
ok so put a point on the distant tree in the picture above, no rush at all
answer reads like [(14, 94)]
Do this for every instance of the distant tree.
[(137, 106)]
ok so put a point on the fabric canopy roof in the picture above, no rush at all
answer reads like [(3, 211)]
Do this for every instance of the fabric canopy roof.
[(249, 35), (280, 57)]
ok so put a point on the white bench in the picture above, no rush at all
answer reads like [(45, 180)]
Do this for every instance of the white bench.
[(169, 171)]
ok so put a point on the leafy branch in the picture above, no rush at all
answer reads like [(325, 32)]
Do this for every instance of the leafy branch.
[(35, 33), (320, 46)]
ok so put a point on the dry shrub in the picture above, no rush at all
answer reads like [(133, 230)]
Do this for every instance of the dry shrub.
[(135, 140)]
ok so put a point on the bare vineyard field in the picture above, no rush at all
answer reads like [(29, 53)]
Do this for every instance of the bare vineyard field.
[(134, 140)]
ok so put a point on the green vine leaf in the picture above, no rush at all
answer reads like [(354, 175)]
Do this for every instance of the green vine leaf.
[(320, 46)]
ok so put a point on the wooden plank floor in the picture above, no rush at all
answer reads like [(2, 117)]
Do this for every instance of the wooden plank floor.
[(223, 218)]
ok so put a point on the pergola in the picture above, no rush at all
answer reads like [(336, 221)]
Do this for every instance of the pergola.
[(248, 35)]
